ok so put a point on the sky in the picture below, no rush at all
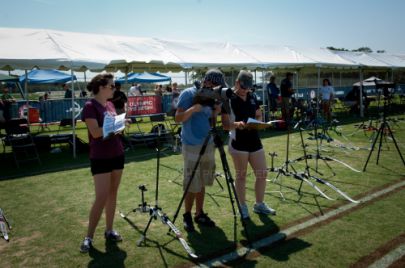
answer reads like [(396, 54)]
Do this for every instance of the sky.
[(346, 24)]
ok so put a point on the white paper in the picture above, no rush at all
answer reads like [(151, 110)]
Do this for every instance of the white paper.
[(256, 124), (113, 125)]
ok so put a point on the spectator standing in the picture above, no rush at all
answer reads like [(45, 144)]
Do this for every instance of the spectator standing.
[(119, 99), (68, 91), (273, 92), (106, 159), (196, 122), (327, 96), (245, 145), (286, 88), (159, 90)]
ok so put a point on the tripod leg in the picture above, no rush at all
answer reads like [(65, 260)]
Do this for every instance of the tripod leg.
[(395, 142), (381, 137), (372, 149), (202, 151), (143, 236), (230, 184)]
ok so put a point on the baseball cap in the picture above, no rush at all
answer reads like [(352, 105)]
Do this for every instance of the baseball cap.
[(245, 79), (215, 76)]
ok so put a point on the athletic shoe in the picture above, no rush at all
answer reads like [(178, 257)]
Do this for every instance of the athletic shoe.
[(113, 236), (262, 208), (204, 220), (86, 245), (188, 222), (244, 211)]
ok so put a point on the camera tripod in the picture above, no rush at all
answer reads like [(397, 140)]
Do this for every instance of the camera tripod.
[(228, 177), (156, 212), (380, 133)]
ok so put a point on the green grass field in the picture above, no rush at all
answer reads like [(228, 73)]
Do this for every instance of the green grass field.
[(49, 210)]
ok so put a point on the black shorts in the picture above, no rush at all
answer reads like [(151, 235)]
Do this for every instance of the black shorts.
[(100, 166)]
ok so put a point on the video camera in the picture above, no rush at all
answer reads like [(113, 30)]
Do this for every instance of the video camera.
[(387, 87), (211, 96)]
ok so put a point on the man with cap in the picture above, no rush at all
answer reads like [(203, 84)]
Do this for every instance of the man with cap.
[(245, 145), (196, 122), (286, 88), (119, 99)]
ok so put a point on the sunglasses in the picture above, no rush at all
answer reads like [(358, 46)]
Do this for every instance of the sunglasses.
[(112, 86)]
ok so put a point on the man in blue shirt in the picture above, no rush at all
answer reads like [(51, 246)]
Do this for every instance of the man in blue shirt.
[(196, 122)]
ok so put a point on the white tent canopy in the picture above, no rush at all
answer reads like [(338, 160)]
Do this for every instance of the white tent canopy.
[(51, 49)]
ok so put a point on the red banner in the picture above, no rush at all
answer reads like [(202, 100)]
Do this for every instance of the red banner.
[(140, 105)]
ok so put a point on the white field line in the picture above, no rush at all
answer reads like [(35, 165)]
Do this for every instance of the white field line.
[(293, 229), (390, 258)]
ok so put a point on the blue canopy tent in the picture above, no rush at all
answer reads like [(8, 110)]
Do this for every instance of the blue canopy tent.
[(144, 78), (46, 77)]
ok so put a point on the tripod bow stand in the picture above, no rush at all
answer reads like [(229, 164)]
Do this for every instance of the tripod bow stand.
[(156, 212), (384, 125), (228, 177)]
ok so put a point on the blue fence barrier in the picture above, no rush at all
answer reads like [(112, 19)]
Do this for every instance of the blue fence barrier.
[(49, 110), (58, 109)]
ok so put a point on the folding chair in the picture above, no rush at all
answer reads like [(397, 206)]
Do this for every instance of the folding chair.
[(18, 136)]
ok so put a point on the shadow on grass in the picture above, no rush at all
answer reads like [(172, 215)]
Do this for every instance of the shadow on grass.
[(280, 252), (112, 257), (161, 247), (64, 161)]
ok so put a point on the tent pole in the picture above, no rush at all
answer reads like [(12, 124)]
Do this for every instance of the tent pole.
[(185, 77), (340, 79), (264, 103), (84, 74), (255, 77), (26, 97), (361, 93), (318, 89), (73, 113)]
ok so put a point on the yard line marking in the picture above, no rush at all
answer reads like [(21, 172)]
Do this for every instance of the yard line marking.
[(390, 258), (265, 242)]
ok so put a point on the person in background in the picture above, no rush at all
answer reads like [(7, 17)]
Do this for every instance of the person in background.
[(68, 91), (7, 100), (83, 93), (272, 92), (327, 96), (106, 158), (286, 88), (159, 90), (168, 89), (119, 99), (175, 89), (135, 90), (197, 121), (245, 145)]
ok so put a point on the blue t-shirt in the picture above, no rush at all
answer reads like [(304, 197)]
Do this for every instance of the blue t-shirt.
[(196, 128)]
